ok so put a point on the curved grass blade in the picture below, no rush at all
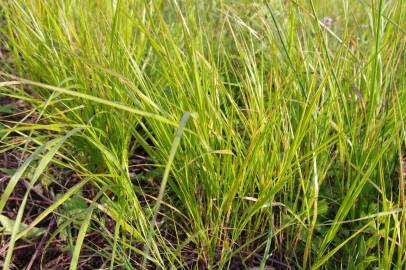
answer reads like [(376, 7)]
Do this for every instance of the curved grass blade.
[(37, 173)]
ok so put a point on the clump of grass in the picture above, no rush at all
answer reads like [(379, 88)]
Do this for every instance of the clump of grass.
[(292, 152)]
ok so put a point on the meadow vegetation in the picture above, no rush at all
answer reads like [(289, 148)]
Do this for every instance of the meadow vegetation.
[(218, 134)]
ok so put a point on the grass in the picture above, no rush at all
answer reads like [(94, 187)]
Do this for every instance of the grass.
[(292, 153)]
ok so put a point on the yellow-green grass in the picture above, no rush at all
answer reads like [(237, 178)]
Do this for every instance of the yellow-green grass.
[(293, 148)]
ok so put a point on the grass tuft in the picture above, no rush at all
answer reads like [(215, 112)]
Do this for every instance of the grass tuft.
[(289, 123)]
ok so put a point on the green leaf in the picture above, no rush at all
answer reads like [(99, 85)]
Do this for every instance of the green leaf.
[(8, 171), (7, 109), (72, 211), (8, 225), (72, 205), (80, 238)]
